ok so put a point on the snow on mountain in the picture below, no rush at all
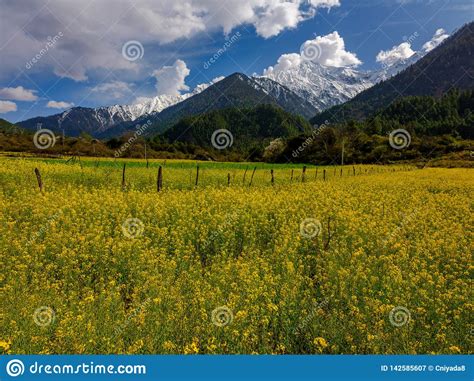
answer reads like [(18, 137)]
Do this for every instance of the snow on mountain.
[(329, 79), (111, 115), (388, 71), (96, 121), (326, 86), (322, 86), (287, 99)]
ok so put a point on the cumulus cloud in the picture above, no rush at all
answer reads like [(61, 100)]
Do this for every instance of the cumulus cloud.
[(61, 105), (285, 62), (439, 36), (328, 50), (7, 106), (18, 93), (396, 54), (95, 34), (170, 80)]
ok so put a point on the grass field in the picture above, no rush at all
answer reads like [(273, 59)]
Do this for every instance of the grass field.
[(378, 260)]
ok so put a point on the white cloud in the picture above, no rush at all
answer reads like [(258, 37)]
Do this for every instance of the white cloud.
[(285, 62), (61, 105), (170, 79), (396, 54), (277, 18), (328, 50), (439, 36), (97, 31), (113, 89), (7, 106), (18, 94)]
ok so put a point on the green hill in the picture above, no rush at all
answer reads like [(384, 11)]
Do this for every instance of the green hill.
[(248, 126)]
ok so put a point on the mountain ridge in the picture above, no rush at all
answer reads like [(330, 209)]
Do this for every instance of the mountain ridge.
[(434, 74)]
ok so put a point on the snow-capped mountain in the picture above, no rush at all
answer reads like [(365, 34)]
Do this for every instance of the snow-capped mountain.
[(96, 121), (325, 86), (387, 72)]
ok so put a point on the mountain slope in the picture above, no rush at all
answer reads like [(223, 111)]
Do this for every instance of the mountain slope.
[(450, 65), (247, 127), (286, 98), (235, 91)]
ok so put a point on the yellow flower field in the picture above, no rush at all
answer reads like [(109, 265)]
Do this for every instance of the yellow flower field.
[(378, 260)]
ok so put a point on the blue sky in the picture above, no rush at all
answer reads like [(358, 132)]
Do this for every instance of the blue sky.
[(85, 65)]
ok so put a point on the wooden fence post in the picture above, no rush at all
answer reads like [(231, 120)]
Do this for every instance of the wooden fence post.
[(197, 176), (228, 179), (159, 180), (324, 175), (273, 178), (40, 182), (303, 174)]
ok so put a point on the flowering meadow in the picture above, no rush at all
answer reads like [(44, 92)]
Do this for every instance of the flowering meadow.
[(371, 259)]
